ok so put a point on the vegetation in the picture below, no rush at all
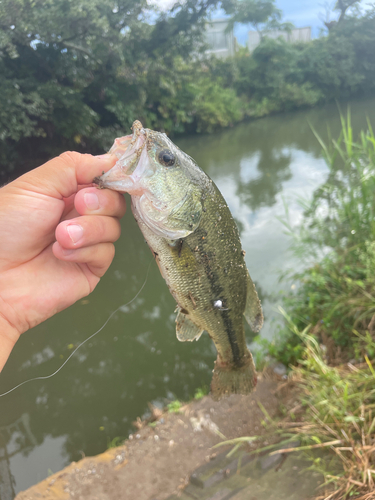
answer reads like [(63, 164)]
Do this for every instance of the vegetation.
[(174, 406), (73, 75), (201, 392), (336, 417), (339, 416), (279, 76)]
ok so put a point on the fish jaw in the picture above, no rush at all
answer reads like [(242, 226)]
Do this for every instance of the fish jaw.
[(115, 179), (124, 177), (120, 146)]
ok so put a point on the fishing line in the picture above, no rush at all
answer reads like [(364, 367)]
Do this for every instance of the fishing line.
[(84, 342)]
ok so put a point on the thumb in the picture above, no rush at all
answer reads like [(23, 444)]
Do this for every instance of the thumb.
[(61, 176)]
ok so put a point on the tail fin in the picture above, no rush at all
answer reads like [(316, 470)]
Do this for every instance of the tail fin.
[(228, 380)]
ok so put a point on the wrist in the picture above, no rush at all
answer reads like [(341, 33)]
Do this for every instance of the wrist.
[(8, 337)]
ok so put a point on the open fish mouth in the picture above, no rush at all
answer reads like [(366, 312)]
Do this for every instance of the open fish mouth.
[(128, 149)]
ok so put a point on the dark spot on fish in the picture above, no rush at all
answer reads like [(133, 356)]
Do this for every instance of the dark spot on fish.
[(184, 311), (155, 254)]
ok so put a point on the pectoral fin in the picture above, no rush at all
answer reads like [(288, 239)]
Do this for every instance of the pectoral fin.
[(186, 330), (253, 310)]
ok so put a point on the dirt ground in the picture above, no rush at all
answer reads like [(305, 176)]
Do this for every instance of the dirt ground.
[(159, 459)]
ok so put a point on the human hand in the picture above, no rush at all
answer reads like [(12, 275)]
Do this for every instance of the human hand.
[(56, 241)]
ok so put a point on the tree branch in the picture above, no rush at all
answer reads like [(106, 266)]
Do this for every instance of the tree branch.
[(72, 46)]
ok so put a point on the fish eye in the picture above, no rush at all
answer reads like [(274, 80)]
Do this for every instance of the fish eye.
[(166, 158)]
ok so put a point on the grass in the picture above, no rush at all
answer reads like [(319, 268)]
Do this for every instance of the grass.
[(116, 441), (201, 392), (174, 406), (339, 404)]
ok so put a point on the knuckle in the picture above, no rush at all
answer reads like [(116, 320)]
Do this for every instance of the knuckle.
[(111, 252), (70, 157), (117, 229)]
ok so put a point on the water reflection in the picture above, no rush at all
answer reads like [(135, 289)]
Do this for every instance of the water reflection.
[(136, 358), (273, 170)]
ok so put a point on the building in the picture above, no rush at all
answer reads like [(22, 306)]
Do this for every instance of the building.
[(296, 35), (221, 44)]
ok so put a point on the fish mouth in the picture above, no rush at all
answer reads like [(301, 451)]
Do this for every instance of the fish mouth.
[(128, 150)]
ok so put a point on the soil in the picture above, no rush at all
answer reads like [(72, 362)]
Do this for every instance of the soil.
[(158, 459)]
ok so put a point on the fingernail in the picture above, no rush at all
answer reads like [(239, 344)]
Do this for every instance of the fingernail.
[(75, 232), (91, 201)]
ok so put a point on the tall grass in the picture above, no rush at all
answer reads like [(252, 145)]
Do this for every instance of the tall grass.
[(339, 416)]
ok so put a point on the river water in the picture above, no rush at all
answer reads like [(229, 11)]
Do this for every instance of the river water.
[(136, 358)]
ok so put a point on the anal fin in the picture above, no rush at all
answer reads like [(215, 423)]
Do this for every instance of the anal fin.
[(186, 330), (253, 309)]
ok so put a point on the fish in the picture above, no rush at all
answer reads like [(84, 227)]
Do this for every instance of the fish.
[(195, 241)]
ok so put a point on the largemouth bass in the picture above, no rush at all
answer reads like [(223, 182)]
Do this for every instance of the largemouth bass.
[(191, 232)]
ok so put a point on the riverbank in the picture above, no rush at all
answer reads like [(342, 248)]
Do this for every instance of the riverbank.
[(159, 459)]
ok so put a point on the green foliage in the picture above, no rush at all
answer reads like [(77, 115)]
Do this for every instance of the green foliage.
[(213, 105), (116, 441), (336, 419), (279, 76), (201, 392), (76, 74), (262, 14), (339, 405), (342, 64), (174, 406)]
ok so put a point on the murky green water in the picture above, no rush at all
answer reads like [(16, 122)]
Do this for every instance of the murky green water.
[(136, 358)]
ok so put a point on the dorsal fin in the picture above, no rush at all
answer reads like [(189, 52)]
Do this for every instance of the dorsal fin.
[(186, 330)]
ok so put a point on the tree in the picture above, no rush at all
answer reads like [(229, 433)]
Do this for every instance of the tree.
[(76, 74), (342, 6), (262, 14)]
